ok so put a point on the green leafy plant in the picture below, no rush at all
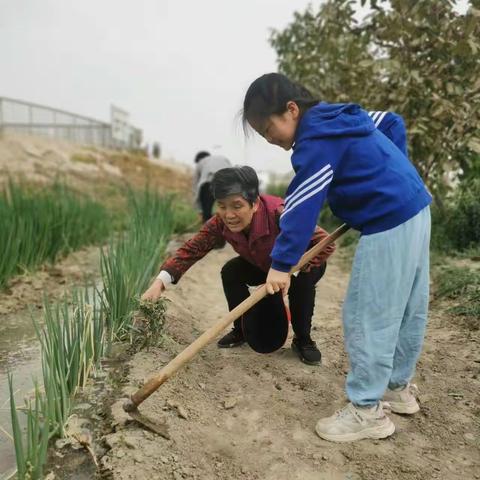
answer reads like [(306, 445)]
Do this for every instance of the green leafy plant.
[(186, 218), (462, 286), (418, 58), (148, 323), (130, 261), (40, 226), (30, 449), (77, 331), (278, 189), (72, 343)]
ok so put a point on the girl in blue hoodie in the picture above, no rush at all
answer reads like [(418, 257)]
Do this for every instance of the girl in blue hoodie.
[(357, 162)]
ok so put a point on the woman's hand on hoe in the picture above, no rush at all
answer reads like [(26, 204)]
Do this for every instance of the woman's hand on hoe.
[(154, 291), (277, 281)]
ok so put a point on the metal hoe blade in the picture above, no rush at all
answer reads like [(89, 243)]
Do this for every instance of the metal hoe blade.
[(155, 427)]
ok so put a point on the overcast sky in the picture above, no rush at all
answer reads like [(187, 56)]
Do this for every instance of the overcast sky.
[(179, 67)]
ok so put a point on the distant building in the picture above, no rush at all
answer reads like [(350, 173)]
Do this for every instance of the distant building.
[(30, 118)]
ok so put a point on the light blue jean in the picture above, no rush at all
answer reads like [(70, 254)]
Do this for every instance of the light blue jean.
[(386, 308)]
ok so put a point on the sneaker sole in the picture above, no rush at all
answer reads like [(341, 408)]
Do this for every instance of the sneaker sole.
[(381, 431), (403, 408), (303, 359)]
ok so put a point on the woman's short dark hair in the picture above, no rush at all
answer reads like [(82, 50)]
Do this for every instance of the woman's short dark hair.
[(201, 155), (235, 181), (269, 95)]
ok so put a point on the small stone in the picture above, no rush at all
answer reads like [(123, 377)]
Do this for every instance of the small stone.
[(130, 442), (202, 386), (182, 413), (138, 458), (456, 395), (324, 457), (469, 437), (50, 476), (164, 460), (230, 403), (278, 386), (347, 455), (244, 470), (172, 403), (62, 442), (177, 476), (425, 398), (82, 407), (174, 457), (120, 454)]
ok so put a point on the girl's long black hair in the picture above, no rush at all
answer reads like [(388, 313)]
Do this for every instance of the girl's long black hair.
[(269, 95)]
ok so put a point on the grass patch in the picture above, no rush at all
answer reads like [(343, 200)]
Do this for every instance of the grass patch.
[(40, 226), (278, 189), (130, 261), (186, 219), (87, 158), (460, 285), (31, 449), (72, 343), (148, 323), (78, 330)]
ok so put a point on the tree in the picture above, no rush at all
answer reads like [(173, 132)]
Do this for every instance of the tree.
[(419, 58)]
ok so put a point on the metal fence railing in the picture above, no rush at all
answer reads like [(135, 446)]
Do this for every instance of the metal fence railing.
[(30, 118)]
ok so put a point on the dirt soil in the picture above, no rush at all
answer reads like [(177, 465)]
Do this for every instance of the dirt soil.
[(234, 414), (91, 170), (28, 290)]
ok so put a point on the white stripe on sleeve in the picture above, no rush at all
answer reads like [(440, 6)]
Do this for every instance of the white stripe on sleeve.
[(380, 118), (306, 197), (300, 193), (308, 180)]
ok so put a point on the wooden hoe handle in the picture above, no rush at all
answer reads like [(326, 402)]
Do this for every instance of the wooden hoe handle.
[(182, 358)]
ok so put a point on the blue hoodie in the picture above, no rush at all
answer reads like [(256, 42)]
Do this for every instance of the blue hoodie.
[(340, 155)]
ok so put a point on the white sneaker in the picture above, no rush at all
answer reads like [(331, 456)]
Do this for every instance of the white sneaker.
[(353, 423), (402, 401)]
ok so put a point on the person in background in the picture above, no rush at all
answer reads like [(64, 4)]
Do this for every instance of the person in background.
[(205, 167)]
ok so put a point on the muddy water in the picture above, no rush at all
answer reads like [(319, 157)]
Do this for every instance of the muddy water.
[(20, 355)]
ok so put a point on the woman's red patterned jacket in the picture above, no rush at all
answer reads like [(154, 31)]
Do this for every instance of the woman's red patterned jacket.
[(255, 248)]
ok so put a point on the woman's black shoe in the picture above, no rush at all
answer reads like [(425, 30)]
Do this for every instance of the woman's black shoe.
[(307, 351), (232, 339)]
